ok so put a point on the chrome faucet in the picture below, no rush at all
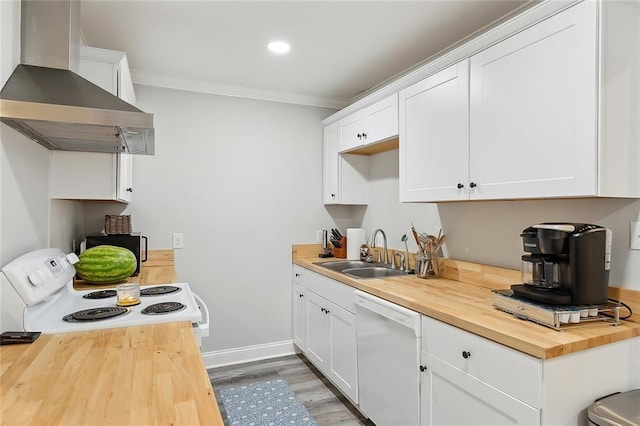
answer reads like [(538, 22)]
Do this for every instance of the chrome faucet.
[(384, 237)]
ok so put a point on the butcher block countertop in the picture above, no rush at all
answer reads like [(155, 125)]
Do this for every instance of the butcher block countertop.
[(142, 375), (462, 297)]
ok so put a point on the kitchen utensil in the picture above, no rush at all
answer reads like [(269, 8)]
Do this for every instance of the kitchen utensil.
[(415, 236)]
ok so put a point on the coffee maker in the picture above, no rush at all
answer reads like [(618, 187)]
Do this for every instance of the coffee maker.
[(566, 264)]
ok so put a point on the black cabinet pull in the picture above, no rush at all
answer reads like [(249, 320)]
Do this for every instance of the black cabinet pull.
[(423, 368), (333, 195), (364, 135), (472, 185), (297, 274), (322, 309), (466, 354), (129, 189), (326, 311), (301, 295), (359, 136), (459, 186)]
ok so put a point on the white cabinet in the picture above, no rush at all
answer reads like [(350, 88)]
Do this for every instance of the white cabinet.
[(434, 137), (344, 176), (330, 335), (551, 112), (91, 176), (462, 369), (533, 110), (97, 176), (299, 304), (370, 125), (331, 343)]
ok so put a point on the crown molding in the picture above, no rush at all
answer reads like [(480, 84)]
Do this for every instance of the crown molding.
[(202, 86)]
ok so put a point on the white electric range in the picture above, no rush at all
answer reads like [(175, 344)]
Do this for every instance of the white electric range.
[(44, 281)]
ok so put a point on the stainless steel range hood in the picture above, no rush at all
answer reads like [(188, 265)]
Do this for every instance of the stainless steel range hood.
[(48, 102)]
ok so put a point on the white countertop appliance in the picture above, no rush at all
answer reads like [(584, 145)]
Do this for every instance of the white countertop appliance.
[(43, 280)]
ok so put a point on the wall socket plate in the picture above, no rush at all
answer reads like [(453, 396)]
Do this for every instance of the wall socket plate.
[(634, 235), (178, 240)]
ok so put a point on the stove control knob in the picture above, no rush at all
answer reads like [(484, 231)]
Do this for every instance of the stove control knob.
[(72, 258), (37, 278)]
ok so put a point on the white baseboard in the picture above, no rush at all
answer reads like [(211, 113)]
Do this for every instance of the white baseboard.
[(248, 353)]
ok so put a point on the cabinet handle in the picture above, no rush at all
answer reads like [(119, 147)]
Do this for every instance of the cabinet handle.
[(466, 354), (129, 189), (472, 185), (297, 274), (459, 186), (326, 311), (364, 135), (359, 136), (301, 295), (333, 195), (322, 309), (423, 368)]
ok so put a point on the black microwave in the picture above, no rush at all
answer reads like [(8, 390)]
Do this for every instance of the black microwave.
[(133, 242)]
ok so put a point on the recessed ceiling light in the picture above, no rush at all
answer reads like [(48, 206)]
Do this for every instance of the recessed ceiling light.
[(279, 47)]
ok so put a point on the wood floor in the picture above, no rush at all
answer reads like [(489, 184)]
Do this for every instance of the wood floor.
[(321, 399)]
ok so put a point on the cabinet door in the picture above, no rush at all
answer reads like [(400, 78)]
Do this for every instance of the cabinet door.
[(125, 177), (434, 137), (299, 316), (83, 175), (331, 158), (453, 397), (344, 369), (380, 120), (533, 110), (318, 326), (350, 130)]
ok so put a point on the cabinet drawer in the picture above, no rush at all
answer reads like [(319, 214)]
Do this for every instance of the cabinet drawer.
[(513, 372), (332, 290)]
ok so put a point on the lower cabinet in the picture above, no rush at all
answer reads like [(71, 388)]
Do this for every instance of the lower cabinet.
[(461, 369), (445, 390), (330, 338)]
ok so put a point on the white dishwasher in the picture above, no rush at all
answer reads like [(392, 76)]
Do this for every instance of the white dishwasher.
[(388, 338)]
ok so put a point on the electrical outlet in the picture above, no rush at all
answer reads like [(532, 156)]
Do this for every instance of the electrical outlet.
[(634, 235), (178, 240), (319, 236)]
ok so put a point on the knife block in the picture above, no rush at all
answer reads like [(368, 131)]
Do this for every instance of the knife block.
[(341, 252)]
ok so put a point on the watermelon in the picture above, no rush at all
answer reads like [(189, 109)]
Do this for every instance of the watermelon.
[(106, 264)]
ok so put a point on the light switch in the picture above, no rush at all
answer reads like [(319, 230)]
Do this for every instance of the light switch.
[(634, 235)]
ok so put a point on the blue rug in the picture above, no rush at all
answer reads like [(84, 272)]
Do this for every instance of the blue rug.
[(269, 403)]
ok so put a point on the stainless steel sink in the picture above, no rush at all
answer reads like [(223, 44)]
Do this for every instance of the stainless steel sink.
[(341, 265), (373, 272)]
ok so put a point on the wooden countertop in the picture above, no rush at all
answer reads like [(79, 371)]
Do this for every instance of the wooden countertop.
[(144, 375), (463, 298)]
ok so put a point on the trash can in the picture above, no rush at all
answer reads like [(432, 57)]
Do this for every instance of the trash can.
[(618, 409)]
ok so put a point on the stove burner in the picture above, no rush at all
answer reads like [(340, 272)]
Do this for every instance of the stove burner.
[(163, 308), (102, 294), (96, 314), (158, 290)]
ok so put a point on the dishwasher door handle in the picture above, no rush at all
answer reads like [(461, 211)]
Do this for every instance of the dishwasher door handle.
[(386, 309)]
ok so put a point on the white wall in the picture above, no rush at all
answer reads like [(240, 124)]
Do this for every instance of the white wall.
[(241, 179), (488, 231), (25, 212)]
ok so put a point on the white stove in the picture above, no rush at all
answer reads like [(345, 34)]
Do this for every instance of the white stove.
[(44, 281)]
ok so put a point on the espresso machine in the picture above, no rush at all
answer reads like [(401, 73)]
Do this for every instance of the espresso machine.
[(565, 264)]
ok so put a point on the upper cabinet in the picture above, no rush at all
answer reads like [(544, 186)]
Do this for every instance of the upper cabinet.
[(545, 105), (345, 175), (533, 110), (434, 136), (97, 176), (370, 125)]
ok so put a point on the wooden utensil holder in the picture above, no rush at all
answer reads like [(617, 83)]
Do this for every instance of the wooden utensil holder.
[(341, 252)]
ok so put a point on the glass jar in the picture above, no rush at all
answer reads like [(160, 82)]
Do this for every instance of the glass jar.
[(427, 265), (128, 294)]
